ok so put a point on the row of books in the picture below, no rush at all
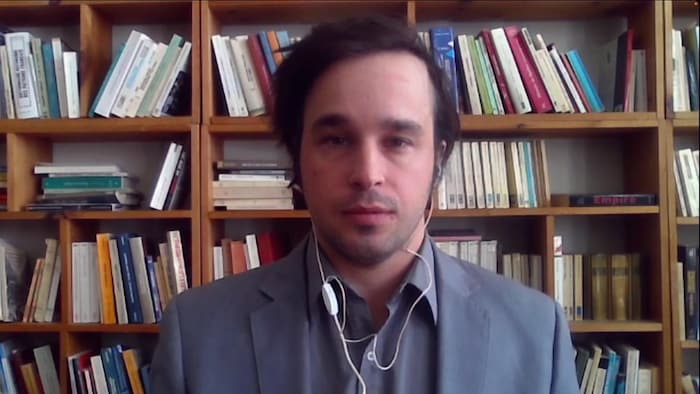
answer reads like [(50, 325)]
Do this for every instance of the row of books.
[(690, 384), (26, 369), (146, 78), (686, 170), (246, 64), (495, 174), (41, 292), (111, 369), (598, 286), (3, 187), (121, 279), (614, 368), (520, 267), (687, 292), (684, 55), (252, 184), (234, 256), (39, 79), (505, 71)]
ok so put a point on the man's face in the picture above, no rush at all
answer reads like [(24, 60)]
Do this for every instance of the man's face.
[(367, 154)]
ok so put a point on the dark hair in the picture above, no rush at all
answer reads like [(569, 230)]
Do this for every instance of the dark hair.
[(333, 42)]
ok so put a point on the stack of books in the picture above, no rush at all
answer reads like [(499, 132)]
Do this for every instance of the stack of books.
[(244, 184), (505, 70), (684, 52), (84, 187), (246, 65), (146, 78), (111, 369), (235, 256), (39, 79), (685, 172), (3, 187), (124, 279)]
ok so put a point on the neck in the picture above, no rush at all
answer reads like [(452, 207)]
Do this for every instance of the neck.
[(376, 283)]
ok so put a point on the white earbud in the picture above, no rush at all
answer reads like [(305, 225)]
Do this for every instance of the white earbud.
[(329, 299)]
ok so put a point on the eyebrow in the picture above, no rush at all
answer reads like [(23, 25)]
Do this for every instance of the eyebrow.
[(334, 120)]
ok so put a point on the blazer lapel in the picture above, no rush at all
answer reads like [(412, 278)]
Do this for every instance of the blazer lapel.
[(463, 330), (280, 331)]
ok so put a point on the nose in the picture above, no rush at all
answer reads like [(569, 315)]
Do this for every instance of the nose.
[(368, 167)]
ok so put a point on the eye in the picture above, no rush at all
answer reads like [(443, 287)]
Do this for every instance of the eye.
[(334, 140), (399, 142)]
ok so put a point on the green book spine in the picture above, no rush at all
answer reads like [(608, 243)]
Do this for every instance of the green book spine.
[(479, 73)]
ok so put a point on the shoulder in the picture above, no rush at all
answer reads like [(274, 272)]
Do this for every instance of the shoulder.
[(506, 300)]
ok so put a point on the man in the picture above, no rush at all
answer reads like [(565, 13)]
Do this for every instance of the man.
[(366, 303)]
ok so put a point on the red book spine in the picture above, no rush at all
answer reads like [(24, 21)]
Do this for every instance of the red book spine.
[(531, 78), (261, 72), (577, 84), (498, 71)]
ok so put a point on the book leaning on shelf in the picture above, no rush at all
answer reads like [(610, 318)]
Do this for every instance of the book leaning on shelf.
[(495, 174), (122, 279), (170, 185), (686, 173), (614, 368), (37, 79), (684, 54), (146, 79)]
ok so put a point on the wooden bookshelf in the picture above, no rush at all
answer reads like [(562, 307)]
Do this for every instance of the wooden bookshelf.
[(677, 13), (96, 25)]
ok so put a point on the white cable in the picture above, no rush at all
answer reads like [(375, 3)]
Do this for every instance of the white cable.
[(363, 386)]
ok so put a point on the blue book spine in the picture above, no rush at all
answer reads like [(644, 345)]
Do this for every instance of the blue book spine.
[(531, 187), (110, 369), (5, 368), (106, 80), (51, 88), (611, 374), (122, 377), (442, 42), (585, 78), (267, 51), (283, 38), (133, 305), (153, 283)]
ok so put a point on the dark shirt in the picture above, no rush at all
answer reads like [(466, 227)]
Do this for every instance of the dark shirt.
[(414, 370)]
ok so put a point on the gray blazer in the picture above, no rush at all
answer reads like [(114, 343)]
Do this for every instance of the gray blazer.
[(248, 333)]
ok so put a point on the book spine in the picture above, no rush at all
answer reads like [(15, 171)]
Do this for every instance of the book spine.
[(692, 80), (133, 304), (531, 79), (586, 82), (442, 39), (592, 200), (498, 72)]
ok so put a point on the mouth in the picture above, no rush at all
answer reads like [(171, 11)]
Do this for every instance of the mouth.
[(368, 215)]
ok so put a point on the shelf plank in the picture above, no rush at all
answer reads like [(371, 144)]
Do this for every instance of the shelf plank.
[(685, 8), (455, 213), (30, 327), (555, 124), (686, 123), (591, 326), (690, 344), (5, 215), (687, 221), (91, 126), (114, 328), (129, 215)]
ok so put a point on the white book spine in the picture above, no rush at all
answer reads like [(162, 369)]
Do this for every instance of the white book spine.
[(468, 68), (246, 74), (21, 75), (567, 79), (468, 175), (218, 260), (165, 177), (252, 248), (486, 173), (513, 80), (144, 51), (53, 289), (478, 177), (70, 69), (690, 178), (119, 73), (144, 80), (144, 289), (177, 261), (505, 196), (117, 283), (679, 190)]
